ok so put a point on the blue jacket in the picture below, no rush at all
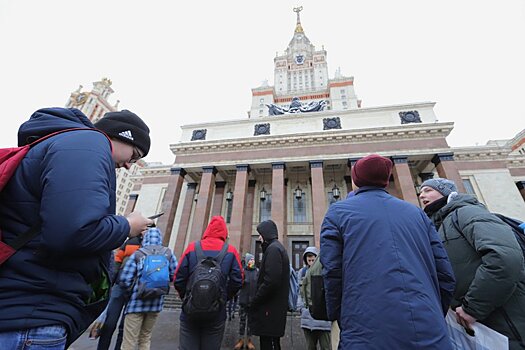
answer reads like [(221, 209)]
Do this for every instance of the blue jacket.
[(68, 183), (132, 271), (212, 241), (383, 260)]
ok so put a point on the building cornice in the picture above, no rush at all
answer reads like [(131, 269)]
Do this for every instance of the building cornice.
[(366, 135)]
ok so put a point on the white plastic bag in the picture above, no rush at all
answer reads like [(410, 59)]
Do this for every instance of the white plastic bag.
[(484, 337)]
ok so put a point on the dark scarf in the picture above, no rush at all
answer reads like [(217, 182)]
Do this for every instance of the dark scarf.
[(433, 207)]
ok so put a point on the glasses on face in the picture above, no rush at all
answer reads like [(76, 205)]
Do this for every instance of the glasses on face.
[(136, 155)]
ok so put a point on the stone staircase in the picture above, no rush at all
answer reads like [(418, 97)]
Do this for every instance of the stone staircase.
[(172, 300)]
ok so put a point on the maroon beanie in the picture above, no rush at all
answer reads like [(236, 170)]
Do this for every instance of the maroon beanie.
[(372, 170)]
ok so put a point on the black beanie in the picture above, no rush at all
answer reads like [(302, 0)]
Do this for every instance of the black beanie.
[(127, 127)]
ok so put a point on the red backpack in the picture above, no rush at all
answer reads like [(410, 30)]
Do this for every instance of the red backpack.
[(10, 158)]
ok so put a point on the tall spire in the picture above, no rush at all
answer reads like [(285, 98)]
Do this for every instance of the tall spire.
[(298, 27)]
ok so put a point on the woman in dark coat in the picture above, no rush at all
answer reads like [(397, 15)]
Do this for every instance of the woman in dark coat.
[(270, 305)]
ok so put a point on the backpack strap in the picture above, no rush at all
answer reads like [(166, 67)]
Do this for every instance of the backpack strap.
[(218, 258)]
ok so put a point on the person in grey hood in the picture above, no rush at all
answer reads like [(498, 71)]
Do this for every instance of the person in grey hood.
[(486, 259), (315, 331), (270, 305)]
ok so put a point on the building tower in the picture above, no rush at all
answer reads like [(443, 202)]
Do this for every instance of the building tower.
[(93, 103), (302, 71)]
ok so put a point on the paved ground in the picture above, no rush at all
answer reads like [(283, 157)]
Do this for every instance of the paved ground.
[(166, 333)]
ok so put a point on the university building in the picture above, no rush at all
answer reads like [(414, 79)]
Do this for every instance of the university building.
[(291, 158)]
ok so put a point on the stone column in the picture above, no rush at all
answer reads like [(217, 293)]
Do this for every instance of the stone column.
[(279, 207), (180, 243), (446, 168), (132, 201), (201, 215), (403, 180), (318, 198), (351, 162), (218, 198), (521, 187), (238, 206), (246, 238), (170, 203)]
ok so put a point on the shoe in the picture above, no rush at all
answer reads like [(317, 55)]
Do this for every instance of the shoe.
[(239, 345), (250, 345)]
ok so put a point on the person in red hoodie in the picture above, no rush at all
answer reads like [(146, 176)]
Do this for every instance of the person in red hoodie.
[(207, 334)]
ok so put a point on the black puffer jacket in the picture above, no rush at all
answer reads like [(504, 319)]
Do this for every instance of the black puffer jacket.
[(488, 264), (269, 307)]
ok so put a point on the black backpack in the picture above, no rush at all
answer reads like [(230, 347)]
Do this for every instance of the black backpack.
[(204, 295)]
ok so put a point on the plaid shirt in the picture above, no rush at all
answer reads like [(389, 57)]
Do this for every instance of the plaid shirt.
[(132, 271)]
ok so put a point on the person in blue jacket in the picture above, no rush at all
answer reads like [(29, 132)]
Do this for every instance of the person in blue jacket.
[(54, 286), (388, 280)]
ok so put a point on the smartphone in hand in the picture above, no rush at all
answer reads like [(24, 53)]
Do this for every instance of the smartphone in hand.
[(153, 217)]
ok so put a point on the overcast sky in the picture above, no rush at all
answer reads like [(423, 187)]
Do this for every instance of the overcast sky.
[(185, 62)]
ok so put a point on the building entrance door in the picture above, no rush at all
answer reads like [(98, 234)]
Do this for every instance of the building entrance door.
[(298, 248)]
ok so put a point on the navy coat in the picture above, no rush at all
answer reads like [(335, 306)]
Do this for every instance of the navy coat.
[(68, 183), (387, 276)]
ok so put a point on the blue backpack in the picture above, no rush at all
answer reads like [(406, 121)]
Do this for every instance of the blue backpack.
[(155, 278), (293, 294)]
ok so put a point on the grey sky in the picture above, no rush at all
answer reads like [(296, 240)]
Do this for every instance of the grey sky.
[(182, 62)]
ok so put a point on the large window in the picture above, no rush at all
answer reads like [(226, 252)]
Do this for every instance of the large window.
[(229, 206), (299, 208), (265, 210), (468, 187)]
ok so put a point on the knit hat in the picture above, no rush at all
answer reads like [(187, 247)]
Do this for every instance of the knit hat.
[(127, 127), (248, 257), (372, 170), (443, 186)]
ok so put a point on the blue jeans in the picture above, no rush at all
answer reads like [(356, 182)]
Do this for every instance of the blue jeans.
[(116, 304), (40, 338)]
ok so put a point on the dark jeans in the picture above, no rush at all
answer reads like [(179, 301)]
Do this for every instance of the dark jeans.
[(270, 343), (115, 306), (195, 336), (244, 326)]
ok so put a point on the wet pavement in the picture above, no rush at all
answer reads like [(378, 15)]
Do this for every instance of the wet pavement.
[(166, 334)]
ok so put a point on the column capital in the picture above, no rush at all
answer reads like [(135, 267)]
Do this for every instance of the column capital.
[(316, 164), (192, 185), (220, 184), (209, 169), (251, 183), (425, 176), (178, 171), (352, 161), (278, 165), (133, 196), (442, 157), (399, 159), (520, 184), (243, 167)]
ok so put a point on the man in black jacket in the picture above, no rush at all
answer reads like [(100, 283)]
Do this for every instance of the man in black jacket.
[(269, 307)]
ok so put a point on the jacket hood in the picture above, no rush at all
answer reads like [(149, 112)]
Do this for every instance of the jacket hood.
[(312, 250), (48, 120), (457, 201), (268, 230), (152, 237), (216, 229)]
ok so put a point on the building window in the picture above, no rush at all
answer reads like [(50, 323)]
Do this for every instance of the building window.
[(468, 187), (229, 206), (298, 248), (299, 208), (342, 91), (265, 210), (331, 199)]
